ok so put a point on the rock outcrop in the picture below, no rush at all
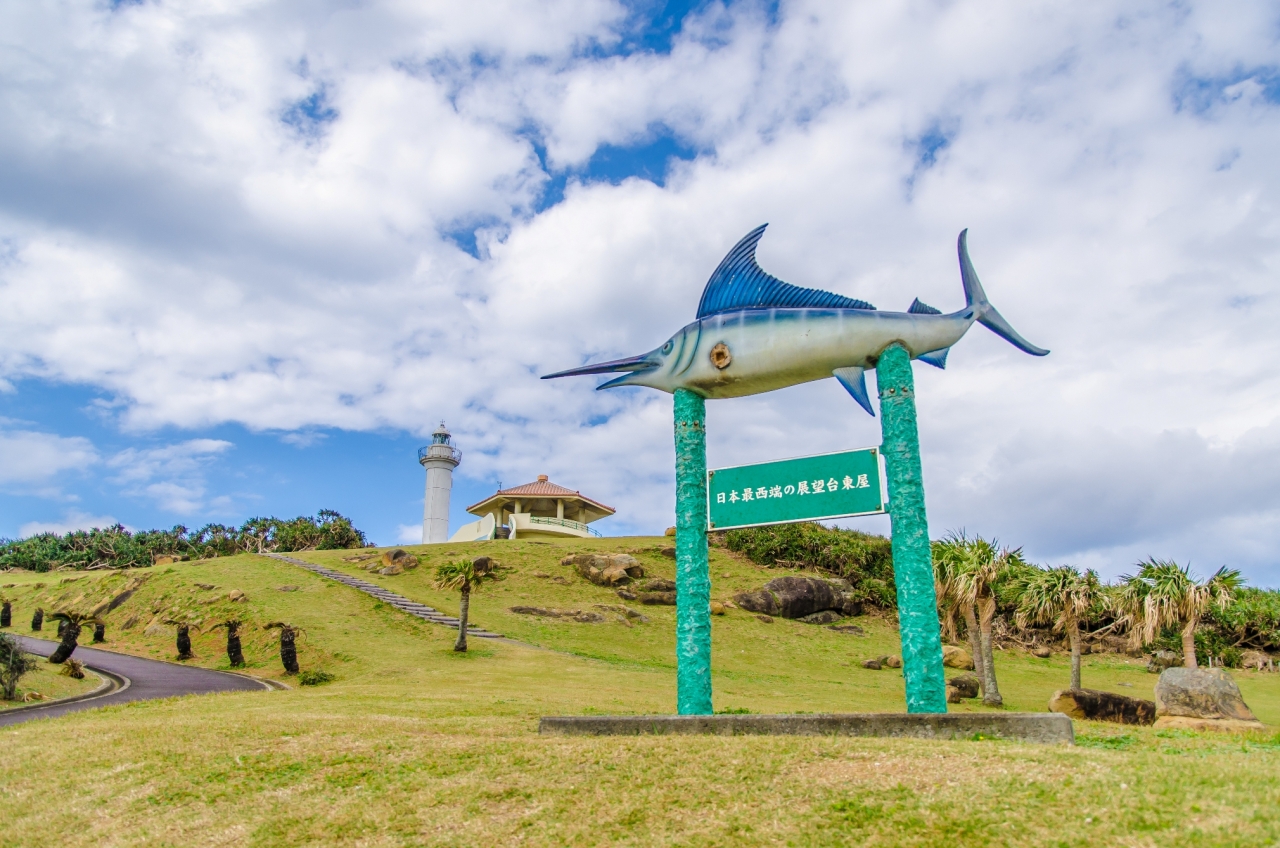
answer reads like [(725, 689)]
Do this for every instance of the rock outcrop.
[(1202, 699), (1097, 705), (1161, 660), (606, 569), (396, 562), (797, 597), (573, 615), (962, 686)]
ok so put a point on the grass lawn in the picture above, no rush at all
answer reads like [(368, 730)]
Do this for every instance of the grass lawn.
[(413, 744)]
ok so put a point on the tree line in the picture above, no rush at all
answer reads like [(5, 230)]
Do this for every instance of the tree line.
[(116, 547), (986, 591)]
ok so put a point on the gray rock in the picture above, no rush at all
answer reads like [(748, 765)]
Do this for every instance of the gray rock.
[(851, 629), (657, 584), (1202, 693), (1097, 705), (875, 664), (606, 569), (824, 617), (1161, 660), (966, 686), (797, 597), (892, 661), (657, 598)]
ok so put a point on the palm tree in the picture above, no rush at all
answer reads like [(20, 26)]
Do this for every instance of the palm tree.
[(288, 644), (948, 555), (1164, 594), (235, 655), (979, 566), (1062, 597), (465, 577), (14, 663), (69, 625), (183, 638)]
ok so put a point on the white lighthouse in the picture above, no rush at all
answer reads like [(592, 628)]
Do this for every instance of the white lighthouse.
[(439, 458)]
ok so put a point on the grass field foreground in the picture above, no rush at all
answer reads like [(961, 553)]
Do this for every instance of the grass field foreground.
[(414, 744)]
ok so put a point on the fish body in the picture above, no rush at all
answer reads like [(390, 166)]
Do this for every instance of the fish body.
[(755, 333)]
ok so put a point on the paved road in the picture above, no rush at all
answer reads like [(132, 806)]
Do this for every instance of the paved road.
[(144, 680)]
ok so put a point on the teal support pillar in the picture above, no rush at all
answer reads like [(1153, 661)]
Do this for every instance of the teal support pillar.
[(693, 578), (912, 558)]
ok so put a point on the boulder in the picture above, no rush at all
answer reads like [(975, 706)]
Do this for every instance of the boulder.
[(1097, 705), (766, 619), (391, 570), (953, 695), (875, 664), (668, 552), (717, 608), (953, 657), (824, 617), (657, 584), (1042, 652), (1162, 660), (400, 558), (797, 597), (1255, 660), (892, 661), (667, 599), (573, 615), (670, 531), (236, 596), (965, 684), (852, 629), (606, 569), (1193, 696), (627, 595)]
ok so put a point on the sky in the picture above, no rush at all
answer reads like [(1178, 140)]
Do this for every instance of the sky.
[(252, 253)]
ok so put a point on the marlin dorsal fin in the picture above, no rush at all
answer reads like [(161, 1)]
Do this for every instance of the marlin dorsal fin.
[(919, 308), (739, 283)]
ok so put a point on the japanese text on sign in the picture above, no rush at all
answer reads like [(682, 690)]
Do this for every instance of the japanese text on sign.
[(803, 489)]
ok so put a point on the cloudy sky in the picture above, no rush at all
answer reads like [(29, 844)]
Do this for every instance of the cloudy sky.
[(251, 253)]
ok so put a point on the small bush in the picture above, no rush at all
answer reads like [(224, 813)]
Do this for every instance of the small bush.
[(314, 678), (74, 669)]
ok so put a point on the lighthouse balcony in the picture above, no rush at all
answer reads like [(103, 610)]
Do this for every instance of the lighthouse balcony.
[(440, 451)]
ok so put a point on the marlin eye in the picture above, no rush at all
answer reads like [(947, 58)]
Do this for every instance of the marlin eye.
[(666, 348)]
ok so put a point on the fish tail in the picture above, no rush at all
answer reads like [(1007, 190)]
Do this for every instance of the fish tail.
[(984, 313)]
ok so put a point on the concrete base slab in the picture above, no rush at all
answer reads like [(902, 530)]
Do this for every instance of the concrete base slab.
[(1049, 728)]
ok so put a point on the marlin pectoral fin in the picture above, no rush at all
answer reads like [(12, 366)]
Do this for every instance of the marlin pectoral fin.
[(854, 379), (936, 358), (631, 363)]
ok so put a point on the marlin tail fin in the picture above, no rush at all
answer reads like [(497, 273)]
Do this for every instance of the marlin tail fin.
[(984, 312)]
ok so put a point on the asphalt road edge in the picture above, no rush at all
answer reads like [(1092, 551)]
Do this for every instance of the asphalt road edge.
[(111, 683)]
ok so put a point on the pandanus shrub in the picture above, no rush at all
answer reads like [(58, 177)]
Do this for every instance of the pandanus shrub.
[(288, 644), (1061, 597), (235, 655), (14, 663), (1164, 594), (69, 626), (465, 577), (183, 637)]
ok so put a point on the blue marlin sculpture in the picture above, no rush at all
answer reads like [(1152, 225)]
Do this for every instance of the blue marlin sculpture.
[(755, 333)]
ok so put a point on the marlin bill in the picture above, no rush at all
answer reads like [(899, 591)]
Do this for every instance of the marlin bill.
[(754, 333)]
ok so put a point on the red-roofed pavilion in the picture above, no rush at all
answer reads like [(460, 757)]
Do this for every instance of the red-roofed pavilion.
[(540, 508)]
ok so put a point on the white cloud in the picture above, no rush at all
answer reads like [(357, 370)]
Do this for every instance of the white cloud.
[(29, 457), (171, 240), (172, 476), (409, 534), (71, 521)]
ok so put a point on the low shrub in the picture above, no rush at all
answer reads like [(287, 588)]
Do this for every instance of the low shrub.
[(864, 559), (314, 678)]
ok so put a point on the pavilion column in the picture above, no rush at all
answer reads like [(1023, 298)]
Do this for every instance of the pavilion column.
[(560, 508)]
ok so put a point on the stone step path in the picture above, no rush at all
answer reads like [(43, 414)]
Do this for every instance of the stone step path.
[(400, 602)]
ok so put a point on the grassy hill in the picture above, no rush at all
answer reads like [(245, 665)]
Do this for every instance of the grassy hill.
[(415, 744)]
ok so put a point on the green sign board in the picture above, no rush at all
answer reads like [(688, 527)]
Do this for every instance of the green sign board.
[(807, 488)]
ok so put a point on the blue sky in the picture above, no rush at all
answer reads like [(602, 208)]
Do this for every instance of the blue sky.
[(243, 274)]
